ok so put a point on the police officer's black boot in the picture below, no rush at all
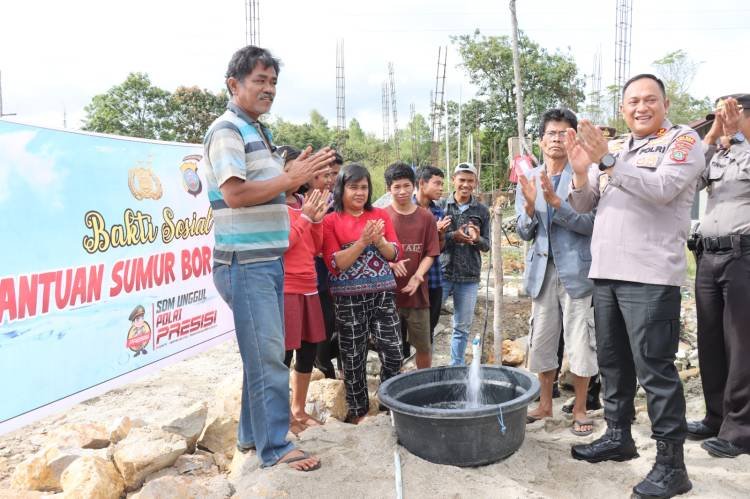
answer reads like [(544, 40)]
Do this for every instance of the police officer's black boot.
[(615, 445), (668, 477)]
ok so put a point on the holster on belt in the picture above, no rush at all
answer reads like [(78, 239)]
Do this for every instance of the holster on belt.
[(736, 245)]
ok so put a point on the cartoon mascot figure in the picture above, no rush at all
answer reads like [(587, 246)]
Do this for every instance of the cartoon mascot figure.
[(140, 332)]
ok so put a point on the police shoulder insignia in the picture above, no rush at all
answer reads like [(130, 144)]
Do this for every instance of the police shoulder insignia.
[(678, 155)]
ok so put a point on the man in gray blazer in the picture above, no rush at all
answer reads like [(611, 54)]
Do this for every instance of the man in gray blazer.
[(557, 268)]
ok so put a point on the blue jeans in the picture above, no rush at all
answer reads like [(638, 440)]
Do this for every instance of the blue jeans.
[(464, 301), (255, 293)]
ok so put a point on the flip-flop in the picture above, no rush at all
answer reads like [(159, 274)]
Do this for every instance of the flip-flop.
[(301, 457), (532, 419), (579, 423)]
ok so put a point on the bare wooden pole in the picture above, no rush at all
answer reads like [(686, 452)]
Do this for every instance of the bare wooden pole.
[(519, 92), (497, 266), (517, 77)]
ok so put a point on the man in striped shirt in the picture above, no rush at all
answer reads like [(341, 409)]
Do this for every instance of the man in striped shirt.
[(246, 183)]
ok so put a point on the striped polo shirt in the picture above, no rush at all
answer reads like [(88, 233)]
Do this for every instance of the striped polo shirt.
[(235, 147)]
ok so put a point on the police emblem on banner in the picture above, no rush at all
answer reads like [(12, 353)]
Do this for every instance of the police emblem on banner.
[(144, 184), (190, 179)]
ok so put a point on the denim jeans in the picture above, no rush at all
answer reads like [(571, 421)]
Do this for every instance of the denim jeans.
[(255, 293), (464, 301)]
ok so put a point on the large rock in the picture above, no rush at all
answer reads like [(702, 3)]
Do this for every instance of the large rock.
[(119, 429), (220, 436), (513, 353), (188, 423), (327, 398), (229, 397), (182, 487), (242, 464), (198, 464), (42, 471), (92, 478), (144, 451), (83, 435)]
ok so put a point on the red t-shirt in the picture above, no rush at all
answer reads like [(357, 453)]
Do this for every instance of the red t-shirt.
[(305, 241), (370, 273), (419, 238)]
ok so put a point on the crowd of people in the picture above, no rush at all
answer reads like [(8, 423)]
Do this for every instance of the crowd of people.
[(314, 272)]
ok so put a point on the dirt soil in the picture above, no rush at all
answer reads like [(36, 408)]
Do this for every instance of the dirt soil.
[(358, 461)]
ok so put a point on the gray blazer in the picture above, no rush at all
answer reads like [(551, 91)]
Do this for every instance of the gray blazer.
[(571, 232)]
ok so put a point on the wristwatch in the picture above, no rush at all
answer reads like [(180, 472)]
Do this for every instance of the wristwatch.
[(607, 161), (737, 138)]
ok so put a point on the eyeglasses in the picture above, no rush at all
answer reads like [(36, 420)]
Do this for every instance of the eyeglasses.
[(552, 134)]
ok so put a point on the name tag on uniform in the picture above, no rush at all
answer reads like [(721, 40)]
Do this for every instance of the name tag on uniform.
[(648, 160)]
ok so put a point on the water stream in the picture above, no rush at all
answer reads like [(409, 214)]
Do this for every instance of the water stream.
[(474, 381)]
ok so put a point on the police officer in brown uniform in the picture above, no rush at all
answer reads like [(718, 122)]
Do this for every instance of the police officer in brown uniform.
[(722, 283), (642, 187)]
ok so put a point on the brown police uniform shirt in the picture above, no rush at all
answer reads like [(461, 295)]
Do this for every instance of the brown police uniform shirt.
[(727, 181), (419, 238), (643, 209)]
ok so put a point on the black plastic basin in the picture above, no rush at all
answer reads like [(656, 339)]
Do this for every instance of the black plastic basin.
[(460, 436)]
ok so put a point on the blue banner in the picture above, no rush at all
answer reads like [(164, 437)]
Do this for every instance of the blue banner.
[(106, 265)]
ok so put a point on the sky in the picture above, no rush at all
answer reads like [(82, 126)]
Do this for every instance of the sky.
[(56, 55)]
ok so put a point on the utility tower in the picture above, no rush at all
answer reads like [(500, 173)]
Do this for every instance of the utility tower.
[(412, 116), (437, 101), (252, 23), (340, 88), (595, 95), (392, 87), (386, 112), (623, 24), (2, 113)]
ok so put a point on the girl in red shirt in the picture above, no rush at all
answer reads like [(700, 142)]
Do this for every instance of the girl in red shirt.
[(303, 317), (358, 242)]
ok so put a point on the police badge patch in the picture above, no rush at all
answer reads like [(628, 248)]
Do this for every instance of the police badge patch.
[(190, 179)]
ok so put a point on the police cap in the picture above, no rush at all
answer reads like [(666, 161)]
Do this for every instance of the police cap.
[(742, 99), (138, 311)]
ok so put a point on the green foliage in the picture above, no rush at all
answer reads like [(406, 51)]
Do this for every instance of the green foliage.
[(548, 79), (677, 71), (192, 111), (315, 133), (136, 108)]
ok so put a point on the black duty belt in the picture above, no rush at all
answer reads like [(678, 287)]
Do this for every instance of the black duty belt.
[(723, 243)]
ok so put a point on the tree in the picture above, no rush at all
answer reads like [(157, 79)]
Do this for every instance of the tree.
[(549, 80), (316, 132), (677, 71), (134, 108), (191, 112)]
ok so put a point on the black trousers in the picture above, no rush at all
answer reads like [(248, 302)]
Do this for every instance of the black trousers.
[(436, 303), (328, 348), (722, 294), (637, 334), (371, 316)]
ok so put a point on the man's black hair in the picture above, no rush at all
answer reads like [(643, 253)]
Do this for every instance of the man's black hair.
[(244, 61), (556, 114), (399, 171), (650, 77), (338, 159), (353, 172), (428, 171)]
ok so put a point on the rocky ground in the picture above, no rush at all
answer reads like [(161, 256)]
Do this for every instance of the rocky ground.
[(172, 435)]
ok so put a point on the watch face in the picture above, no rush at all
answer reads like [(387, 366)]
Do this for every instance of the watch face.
[(739, 137), (608, 160)]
